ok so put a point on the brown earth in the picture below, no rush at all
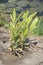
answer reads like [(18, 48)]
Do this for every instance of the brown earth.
[(34, 56)]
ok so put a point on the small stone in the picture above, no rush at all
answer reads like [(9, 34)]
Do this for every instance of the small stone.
[(40, 50), (10, 49), (1, 63)]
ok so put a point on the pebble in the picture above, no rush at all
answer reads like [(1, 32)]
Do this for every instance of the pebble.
[(1, 63)]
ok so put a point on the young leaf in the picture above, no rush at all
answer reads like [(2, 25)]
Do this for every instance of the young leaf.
[(13, 15), (33, 24), (25, 15)]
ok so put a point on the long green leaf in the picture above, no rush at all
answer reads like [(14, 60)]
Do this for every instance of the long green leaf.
[(13, 15), (25, 15), (30, 18), (33, 24)]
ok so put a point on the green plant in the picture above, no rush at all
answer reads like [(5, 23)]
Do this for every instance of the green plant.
[(1, 22), (21, 29), (39, 28)]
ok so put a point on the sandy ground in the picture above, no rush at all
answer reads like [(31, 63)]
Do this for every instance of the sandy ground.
[(32, 57)]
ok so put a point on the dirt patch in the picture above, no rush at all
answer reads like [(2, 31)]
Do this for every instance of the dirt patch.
[(33, 56)]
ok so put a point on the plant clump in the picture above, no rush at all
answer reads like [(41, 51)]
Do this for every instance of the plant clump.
[(20, 28)]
